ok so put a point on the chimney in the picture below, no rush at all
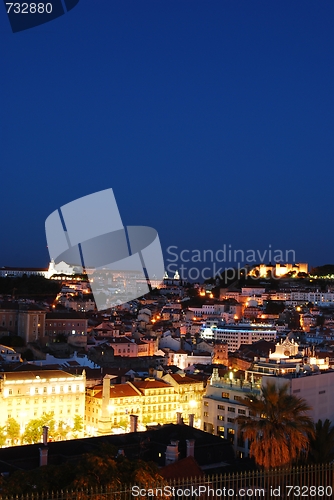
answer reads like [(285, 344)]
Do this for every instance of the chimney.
[(43, 456), (172, 452), (133, 423), (191, 419), (190, 447), (43, 451), (179, 420), (45, 435)]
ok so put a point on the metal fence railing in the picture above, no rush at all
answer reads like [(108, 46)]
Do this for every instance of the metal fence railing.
[(312, 481)]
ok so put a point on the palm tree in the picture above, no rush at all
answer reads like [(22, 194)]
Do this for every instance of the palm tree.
[(322, 444), (279, 428)]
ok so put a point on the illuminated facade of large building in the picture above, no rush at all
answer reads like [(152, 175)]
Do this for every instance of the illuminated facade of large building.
[(29, 395), (279, 269), (222, 404), (242, 333), (153, 401)]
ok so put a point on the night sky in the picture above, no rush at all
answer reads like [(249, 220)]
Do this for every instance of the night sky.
[(212, 120)]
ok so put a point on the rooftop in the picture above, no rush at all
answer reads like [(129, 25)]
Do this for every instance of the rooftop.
[(33, 375), (117, 391), (150, 445)]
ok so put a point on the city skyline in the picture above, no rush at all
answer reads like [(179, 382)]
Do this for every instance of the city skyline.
[(212, 123)]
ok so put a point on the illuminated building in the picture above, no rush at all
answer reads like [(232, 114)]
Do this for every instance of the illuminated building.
[(284, 349), (159, 402), (108, 407), (222, 403), (9, 355), (220, 354), (190, 392), (29, 395), (153, 401), (279, 269), (241, 333), (121, 401), (18, 272)]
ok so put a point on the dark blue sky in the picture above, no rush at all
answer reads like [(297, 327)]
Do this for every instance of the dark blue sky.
[(212, 121)]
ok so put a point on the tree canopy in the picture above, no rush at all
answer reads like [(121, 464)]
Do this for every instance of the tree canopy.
[(34, 428), (322, 444), (280, 430), (12, 430), (33, 287), (105, 467)]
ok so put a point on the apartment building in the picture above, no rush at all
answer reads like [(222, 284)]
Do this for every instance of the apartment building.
[(71, 324), (123, 400), (190, 392), (315, 387), (31, 394), (159, 403), (222, 403), (153, 401), (241, 333), (9, 355)]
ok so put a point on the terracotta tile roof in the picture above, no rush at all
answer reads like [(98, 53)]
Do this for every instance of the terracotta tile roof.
[(104, 326), (183, 380), (151, 384), (120, 340), (31, 375), (185, 468), (119, 391)]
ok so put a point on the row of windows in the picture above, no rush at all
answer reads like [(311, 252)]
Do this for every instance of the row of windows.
[(165, 399), (230, 436), (44, 412), (52, 333), (154, 408), (117, 420), (156, 392), (127, 412), (10, 323), (38, 390), (230, 409), (94, 401), (82, 323), (44, 400), (226, 395), (222, 418)]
